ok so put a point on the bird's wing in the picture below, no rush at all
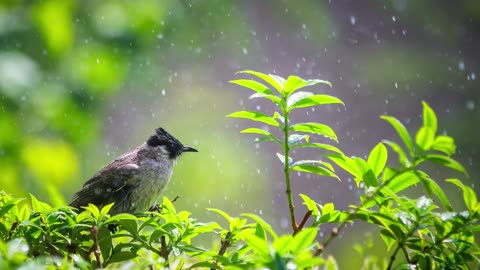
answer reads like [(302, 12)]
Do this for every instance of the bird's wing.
[(109, 185)]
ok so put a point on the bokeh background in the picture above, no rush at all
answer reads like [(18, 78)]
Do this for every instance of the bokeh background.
[(81, 82)]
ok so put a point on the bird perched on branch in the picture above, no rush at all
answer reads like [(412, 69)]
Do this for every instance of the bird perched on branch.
[(134, 180)]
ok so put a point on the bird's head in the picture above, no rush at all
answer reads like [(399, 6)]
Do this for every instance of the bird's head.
[(164, 143)]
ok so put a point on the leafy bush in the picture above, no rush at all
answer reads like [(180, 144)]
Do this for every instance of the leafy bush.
[(418, 232)]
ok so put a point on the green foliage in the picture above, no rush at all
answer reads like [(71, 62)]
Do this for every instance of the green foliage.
[(424, 232)]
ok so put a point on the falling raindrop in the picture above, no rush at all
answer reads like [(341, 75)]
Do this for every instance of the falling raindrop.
[(461, 65), (164, 92), (353, 20), (470, 105)]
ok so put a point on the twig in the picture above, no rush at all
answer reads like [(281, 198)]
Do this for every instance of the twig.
[(96, 248), (164, 250), (223, 248), (12, 229), (352, 213), (304, 220), (174, 199)]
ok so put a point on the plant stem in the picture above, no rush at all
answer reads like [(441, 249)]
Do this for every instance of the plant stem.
[(287, 172)]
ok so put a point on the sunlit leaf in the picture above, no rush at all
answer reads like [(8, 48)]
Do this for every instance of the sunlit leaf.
[(425, 138), (402, 181), (469, 196), (345, 163), (253, 85), (377, 159), (295, 83), (222, 213), (310, 204), (432, 187), (444, 144), (39, 206), (366, 173), (331, 264), (273, 98), (315, 128), (313, 161), (319, 145), (402, 132), (255, 116), (446, 161), (429, 118), (311, 100), (267, 78), (267, 134), (262, 223), (402, 157), (315, 170), (303, 240), (282, 158), (295, 138)]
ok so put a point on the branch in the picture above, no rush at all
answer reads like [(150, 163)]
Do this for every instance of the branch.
[(353, 212), (164, 250), (12, 229), (96, 248), (225, 244), (304, 220)]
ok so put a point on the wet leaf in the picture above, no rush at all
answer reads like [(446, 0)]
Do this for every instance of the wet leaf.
[(312, 100), (255, 116), (267, 78), (377, 159), (315, 128), (402, 132), (429, 118)]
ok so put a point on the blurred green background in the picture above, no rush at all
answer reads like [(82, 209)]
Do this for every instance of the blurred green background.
[(81, 82)]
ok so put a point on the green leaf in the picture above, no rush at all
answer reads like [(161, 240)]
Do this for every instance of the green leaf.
[(121, 256), (315, 170), (446, 161), (38, 206), (253, 85), (313, 161), (282, 158), (222, 213), (402, 181), (432, 187), (331, 264), (255, 116), (345, 163), (273, 98), (310, 204), (402, 132), (402, 157), (469, 196), (366, 173), (267, 78), (444, 144), (387, 238), (303, 240), (307, 99), (429, 118), (261, 132), (315, 128), (295, 138), (263, 223), (425, 138), (294, 83), (318, 145), (378, 158)]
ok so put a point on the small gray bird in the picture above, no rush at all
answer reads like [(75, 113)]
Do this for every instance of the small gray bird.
[(135, 180)]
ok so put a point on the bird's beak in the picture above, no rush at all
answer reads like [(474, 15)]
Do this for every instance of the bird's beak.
[(188, 149)]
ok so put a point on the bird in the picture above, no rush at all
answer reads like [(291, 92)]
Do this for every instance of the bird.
[(135, 180)]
